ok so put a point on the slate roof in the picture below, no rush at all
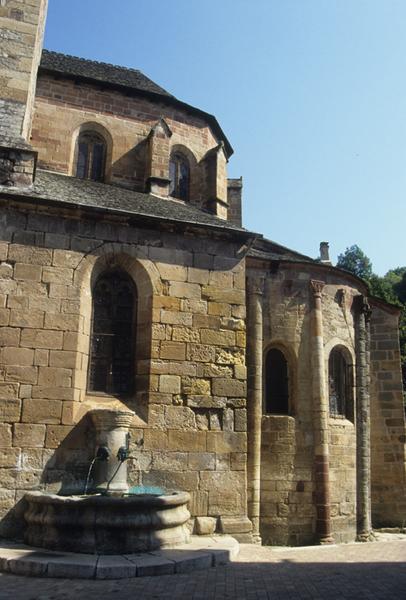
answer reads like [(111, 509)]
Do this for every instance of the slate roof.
[(268, 250), (57, 189), (127, 79), (99, 71)]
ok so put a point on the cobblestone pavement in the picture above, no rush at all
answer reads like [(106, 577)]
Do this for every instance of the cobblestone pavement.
[(360, 571)]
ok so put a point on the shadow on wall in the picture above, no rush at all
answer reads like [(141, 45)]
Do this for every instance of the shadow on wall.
[(64, 471), (129, 170)]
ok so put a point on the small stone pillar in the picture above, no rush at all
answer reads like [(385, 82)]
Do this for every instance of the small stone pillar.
[(112, 431), (255, 288), (158, 159), (320, 419), (363, 420)]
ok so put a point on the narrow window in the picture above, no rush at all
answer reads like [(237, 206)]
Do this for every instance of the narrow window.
[(179, 175), (339, 381), (111, 361), (276, 383), (91, 156)]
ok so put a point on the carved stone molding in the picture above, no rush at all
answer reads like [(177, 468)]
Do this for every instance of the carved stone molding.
[(317, 287), (363, 306), (255, 285)]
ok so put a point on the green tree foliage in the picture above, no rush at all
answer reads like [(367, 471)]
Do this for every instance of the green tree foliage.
[(355, 261), (400, 288), (391, 288)]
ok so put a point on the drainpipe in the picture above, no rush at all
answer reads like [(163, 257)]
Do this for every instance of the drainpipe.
[(320, 419), (255, 287), (362, 319)]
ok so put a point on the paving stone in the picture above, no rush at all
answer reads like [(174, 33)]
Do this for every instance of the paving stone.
[(115, 567), (78, 566), (186, 560), (148, 564)]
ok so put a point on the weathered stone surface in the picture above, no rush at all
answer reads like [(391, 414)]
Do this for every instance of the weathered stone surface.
[(190, 441), (28, 435), (200, 353), (179, 417), (22, 374), (229, 387), (41, 411), (173, 350), (226, 441), (5, 435), (17, 356), (205, 525), (217, 338), (169, 384), (10, 408)]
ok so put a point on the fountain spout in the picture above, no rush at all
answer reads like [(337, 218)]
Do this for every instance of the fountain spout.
[(112, 443)]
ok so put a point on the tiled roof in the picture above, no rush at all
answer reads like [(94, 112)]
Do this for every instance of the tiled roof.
[(99, 71), (268, 250), (73, 192)]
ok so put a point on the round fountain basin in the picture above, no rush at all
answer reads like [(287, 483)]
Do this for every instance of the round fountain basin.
[(106, 524)]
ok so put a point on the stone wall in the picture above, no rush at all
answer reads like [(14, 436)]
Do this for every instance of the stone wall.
[(62, 108), (287, 463), (21, 32), (190, 428), (387, 422)]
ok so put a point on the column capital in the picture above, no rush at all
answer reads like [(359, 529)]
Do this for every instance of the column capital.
[(317, 287), (363, 306), (255, 285)]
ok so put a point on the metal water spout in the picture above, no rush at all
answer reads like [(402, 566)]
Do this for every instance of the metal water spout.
[(112, 450)]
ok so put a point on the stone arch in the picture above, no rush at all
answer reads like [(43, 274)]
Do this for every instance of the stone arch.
[(145, 277), (291, 371), (104, 133)]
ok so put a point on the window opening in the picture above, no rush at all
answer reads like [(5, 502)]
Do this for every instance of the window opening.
[(277, 385), (179, 175), (91, 156), (111, 361), (339, 377)]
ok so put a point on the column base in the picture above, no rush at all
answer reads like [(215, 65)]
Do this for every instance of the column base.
[(366, 536), (326, 540)]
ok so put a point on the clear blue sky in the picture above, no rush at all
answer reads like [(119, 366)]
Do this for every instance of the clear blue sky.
[(311, 94)]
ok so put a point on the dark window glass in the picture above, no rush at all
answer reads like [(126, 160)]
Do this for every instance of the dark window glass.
[(91, 156), (339, 382), (81, 169), (179, 175), (111, 362), (276, 383)]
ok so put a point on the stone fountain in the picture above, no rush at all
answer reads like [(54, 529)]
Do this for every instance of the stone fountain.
[(110, 519)]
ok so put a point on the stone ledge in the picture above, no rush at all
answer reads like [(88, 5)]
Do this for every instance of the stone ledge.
[(20, 559)]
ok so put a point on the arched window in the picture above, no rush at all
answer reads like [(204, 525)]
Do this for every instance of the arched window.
[(340, 384), (179, 175), (111, 361), (276, 383), (90, 156)]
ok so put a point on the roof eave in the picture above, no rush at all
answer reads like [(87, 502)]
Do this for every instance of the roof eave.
[(129, 216)]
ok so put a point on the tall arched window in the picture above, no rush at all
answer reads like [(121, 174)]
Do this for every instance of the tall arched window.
[(179, 175), (340, 383), (276, 383), (90, 156), (111, 361)]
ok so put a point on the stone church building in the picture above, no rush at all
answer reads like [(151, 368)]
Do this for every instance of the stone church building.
[(265, 383)]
